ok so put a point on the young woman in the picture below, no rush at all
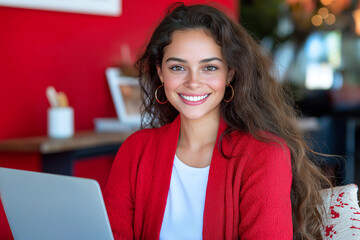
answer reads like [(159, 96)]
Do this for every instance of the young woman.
[(224, 158)]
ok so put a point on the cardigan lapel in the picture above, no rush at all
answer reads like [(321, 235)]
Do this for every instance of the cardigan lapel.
[(214, 212), (164, 154)]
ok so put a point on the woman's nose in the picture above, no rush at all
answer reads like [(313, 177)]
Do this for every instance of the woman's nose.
[(193, 80)]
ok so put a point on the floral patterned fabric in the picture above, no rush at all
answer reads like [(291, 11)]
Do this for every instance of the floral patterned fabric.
[(342, 217)]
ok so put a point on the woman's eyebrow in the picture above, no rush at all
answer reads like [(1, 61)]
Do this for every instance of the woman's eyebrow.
[(202, 61), (211, 59), (175, 59)]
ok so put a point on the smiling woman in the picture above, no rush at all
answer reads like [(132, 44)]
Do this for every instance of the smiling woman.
[(224, 158)]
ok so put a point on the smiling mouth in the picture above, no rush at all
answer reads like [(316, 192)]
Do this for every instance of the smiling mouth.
[(194, 98)]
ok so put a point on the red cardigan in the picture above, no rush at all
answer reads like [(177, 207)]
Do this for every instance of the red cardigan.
[(247, 196)]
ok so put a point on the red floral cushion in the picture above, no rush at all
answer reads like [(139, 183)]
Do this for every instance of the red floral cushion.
[(342, 217)]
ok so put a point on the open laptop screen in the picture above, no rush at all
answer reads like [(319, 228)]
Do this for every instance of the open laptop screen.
[(48, 206)]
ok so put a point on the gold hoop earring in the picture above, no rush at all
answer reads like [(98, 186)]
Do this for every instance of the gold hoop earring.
[(156, 97), (232, 93)]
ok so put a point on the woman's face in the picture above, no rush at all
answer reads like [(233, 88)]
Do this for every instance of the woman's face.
[(194, 74)]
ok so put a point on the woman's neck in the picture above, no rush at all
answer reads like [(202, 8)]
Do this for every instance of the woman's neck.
[(196, 134)]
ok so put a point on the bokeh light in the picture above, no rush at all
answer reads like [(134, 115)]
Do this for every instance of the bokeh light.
[(330, 20), (323, 12), (326, 2), (356, 15), (316, 20)]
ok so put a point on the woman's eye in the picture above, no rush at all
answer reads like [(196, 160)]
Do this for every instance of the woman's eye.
[(210, 68), (177, 68)]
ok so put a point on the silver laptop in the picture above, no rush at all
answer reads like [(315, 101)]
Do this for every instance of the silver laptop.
[(47, 206)]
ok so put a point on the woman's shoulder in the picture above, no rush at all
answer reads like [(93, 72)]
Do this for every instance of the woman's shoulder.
[(264, 141), (268, 151)]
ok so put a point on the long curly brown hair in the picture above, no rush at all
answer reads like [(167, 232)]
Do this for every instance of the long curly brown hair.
[(260, 103)]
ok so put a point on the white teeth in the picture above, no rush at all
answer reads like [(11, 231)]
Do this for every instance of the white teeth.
[(194, 98)]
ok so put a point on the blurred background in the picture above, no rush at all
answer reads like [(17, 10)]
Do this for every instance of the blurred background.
[(315, 45), (316, 49)]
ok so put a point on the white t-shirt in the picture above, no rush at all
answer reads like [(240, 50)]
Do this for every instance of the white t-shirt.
[(183, 217)]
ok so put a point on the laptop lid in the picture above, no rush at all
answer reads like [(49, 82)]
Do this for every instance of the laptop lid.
[(48, 206)]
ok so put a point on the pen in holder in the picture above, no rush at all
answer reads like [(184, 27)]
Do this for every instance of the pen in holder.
[(60, 115)]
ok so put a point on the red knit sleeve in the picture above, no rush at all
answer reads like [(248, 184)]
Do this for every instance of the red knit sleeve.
[(118, 194), (265, 205)]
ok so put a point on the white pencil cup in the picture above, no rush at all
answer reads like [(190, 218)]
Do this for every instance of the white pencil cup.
[(60, 122)]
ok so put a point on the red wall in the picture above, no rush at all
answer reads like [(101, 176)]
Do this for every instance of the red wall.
[(70, 52)]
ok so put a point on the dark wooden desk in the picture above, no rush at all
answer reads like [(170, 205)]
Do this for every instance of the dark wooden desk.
[(58, 155)]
